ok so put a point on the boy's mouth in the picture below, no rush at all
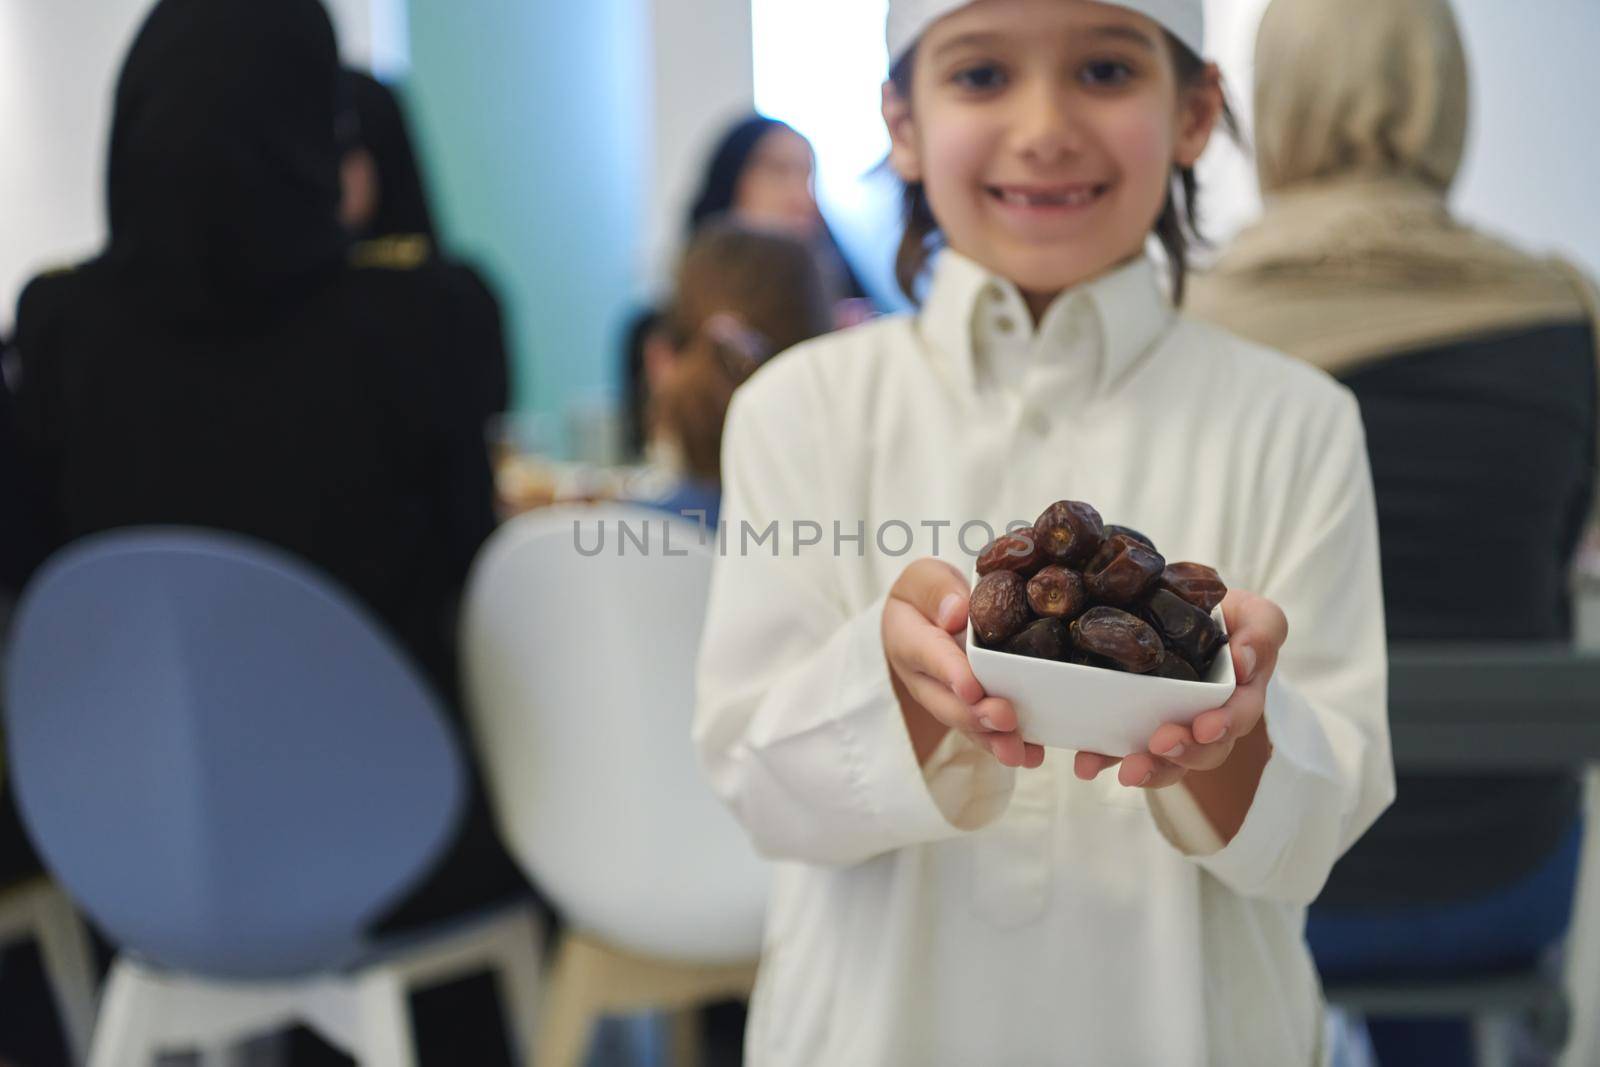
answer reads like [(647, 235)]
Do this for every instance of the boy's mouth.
[(1047, 196)]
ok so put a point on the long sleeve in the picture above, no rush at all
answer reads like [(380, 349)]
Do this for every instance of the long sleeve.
[(796, 724), (1331, 773)]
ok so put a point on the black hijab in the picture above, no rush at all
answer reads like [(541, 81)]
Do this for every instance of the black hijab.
[(382, 131), (223, 185)]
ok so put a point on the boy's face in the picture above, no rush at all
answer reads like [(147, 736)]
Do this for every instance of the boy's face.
[(1045, 132)]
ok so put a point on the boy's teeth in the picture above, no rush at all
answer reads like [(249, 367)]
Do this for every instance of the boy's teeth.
[(1067, 199)]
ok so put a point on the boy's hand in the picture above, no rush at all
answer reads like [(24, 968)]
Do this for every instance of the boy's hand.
[(1256, 631), (929, 668)]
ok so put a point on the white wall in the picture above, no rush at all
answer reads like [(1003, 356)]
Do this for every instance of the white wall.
[(59, 61), (1533, 164), (837, 104), (1532, 171), (700, 82)]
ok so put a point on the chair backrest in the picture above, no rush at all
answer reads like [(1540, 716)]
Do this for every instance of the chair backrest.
[(219, 755), (579, 670)]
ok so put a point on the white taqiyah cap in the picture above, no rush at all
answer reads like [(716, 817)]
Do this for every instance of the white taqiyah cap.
[(1185, 19)]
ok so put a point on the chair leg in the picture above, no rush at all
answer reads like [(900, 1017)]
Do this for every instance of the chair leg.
[(333, 1010), (69, 968), (129, 1012), (1493, 1039), (386, 1039), (518, 977), (1582, 1046), (686, 1043), (566, 1024), (507, 946), (225, 1055), (269, 1050)]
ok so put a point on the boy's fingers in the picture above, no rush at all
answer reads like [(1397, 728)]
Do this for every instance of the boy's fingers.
[(1176, 745), (1171, 741), (1144, 771), (1007, 748), (932, 652), (1205, 757), (1212, 726), (996, 714), (1088, 765), (942, 704), (937, 590), (1257, 629)]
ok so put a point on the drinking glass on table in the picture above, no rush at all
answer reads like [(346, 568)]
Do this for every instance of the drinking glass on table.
[(525, 452)]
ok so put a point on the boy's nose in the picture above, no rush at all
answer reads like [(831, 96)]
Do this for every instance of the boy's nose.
[(1045, 128)]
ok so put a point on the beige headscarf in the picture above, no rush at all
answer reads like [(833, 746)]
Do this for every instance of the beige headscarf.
[(1361, 118)]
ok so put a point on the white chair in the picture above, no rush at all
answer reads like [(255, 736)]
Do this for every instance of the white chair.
[(37, 911), (579, 671)]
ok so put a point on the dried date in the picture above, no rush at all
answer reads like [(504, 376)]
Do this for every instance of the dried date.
[(999, 607), (1044, 639), (1131, 532), (1017, 551), (1195, 582), (1187, 630), (1057, 593), (1175, 666), (1125, 639), (1123, 570), (1069, 532)]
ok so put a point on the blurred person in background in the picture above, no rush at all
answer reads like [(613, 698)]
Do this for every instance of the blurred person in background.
[(19, 533), (29, 1030), (1475, 368), (384, 202), (232, 360), (742, 296), (762, 175)]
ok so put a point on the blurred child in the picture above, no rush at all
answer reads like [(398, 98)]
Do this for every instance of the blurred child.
[(742, 296)]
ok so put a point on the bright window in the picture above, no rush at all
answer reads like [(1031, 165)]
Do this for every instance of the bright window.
[(820, 66)]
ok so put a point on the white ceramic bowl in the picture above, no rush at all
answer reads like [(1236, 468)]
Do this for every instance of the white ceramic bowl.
[(1091, 709)]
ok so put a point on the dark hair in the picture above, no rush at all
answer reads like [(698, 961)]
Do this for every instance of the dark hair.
[(728, 161), (1178, 224), (742, 296), (770, 280), (720, 187)]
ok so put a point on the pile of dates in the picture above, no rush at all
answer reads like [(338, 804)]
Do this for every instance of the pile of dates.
[(1077, 590)]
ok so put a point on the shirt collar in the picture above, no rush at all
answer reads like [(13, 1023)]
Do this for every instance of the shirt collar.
[(978, 322)]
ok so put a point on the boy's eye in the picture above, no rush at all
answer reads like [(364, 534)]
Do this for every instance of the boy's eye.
[(1106, 72), (981, 78)]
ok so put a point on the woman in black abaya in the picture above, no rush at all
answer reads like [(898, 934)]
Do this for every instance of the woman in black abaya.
[(230, 360)]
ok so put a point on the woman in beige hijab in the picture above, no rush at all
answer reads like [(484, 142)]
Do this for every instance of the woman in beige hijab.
[(1361, 118), (1475, 367)]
